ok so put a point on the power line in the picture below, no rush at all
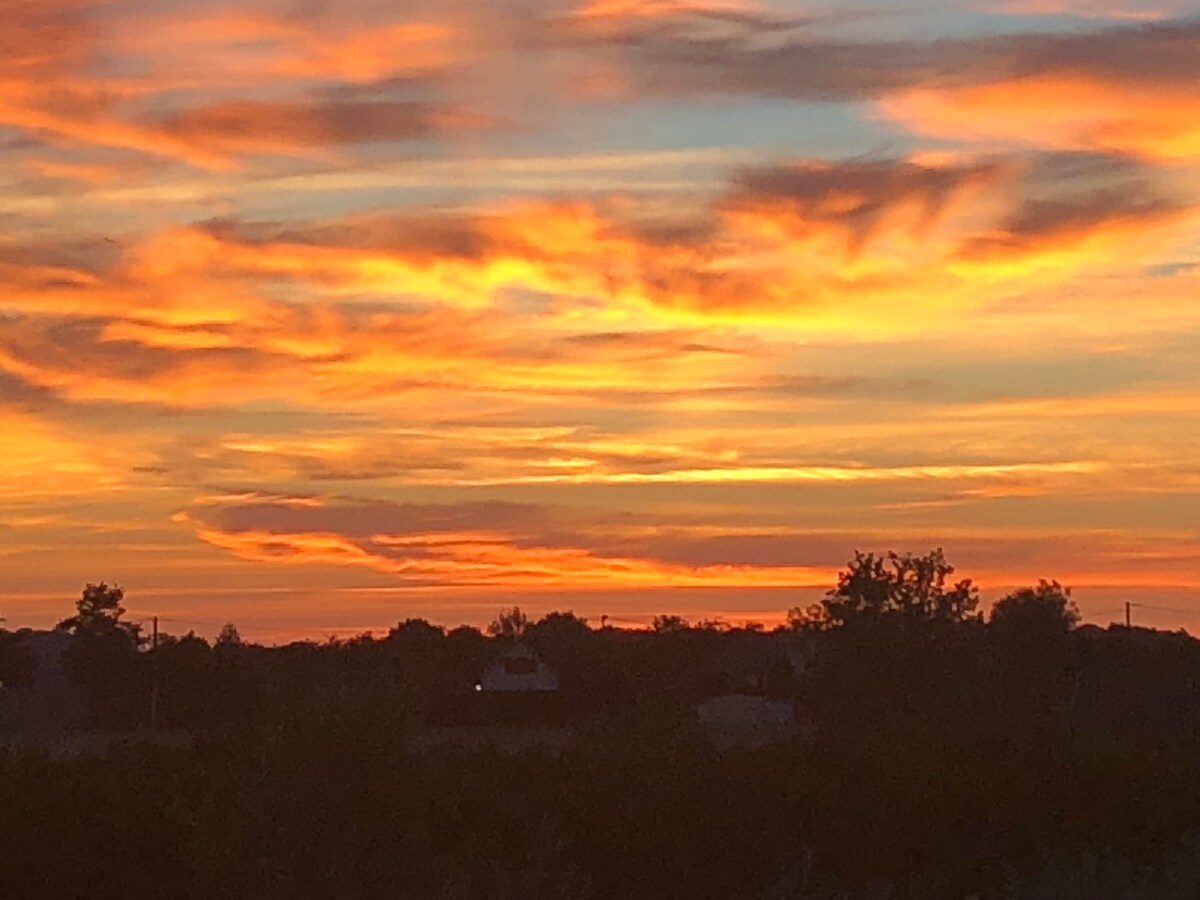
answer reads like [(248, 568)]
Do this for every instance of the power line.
[(1174, 609)]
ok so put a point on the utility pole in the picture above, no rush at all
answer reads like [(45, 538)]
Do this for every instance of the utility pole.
[(1128, 617), (154, 675)]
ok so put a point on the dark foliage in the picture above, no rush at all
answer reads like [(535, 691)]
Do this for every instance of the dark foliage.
[(16, 662), (942, 756)]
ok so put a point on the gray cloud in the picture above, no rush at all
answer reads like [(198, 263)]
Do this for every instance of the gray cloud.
[(261, 125), (857, 197), (681, 55), (360, 519)]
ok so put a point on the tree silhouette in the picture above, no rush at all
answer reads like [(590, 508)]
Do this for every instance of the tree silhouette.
[(417, 634), (229, 636), (510, 623), (466, 653), (915, 588), (561, 632), (666, 624), (103, 657), (801, 618), (98, 613), (1043, 610), (562, 637), (1030, 629), (939, 757), (17, 665)]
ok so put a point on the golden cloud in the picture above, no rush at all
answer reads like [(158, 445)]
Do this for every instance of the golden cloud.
[(1074, 111)]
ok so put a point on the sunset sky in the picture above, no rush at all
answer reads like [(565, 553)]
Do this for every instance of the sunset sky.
[(318, 315)]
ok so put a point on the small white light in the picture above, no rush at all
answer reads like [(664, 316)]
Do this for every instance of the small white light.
[(479, 687)]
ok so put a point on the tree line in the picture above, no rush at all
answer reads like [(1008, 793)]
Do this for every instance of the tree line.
[(946, 754)]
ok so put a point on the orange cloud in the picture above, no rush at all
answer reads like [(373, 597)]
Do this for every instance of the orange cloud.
[(179, 49), (585, 472), (707, 21), (43, 463), (699, 370), (481, 559), (58, 82), (367, 308), (652, 9), (509, 546), (87, 173), (1077, 111), (58, 76), (804, 243), (372, 54)]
